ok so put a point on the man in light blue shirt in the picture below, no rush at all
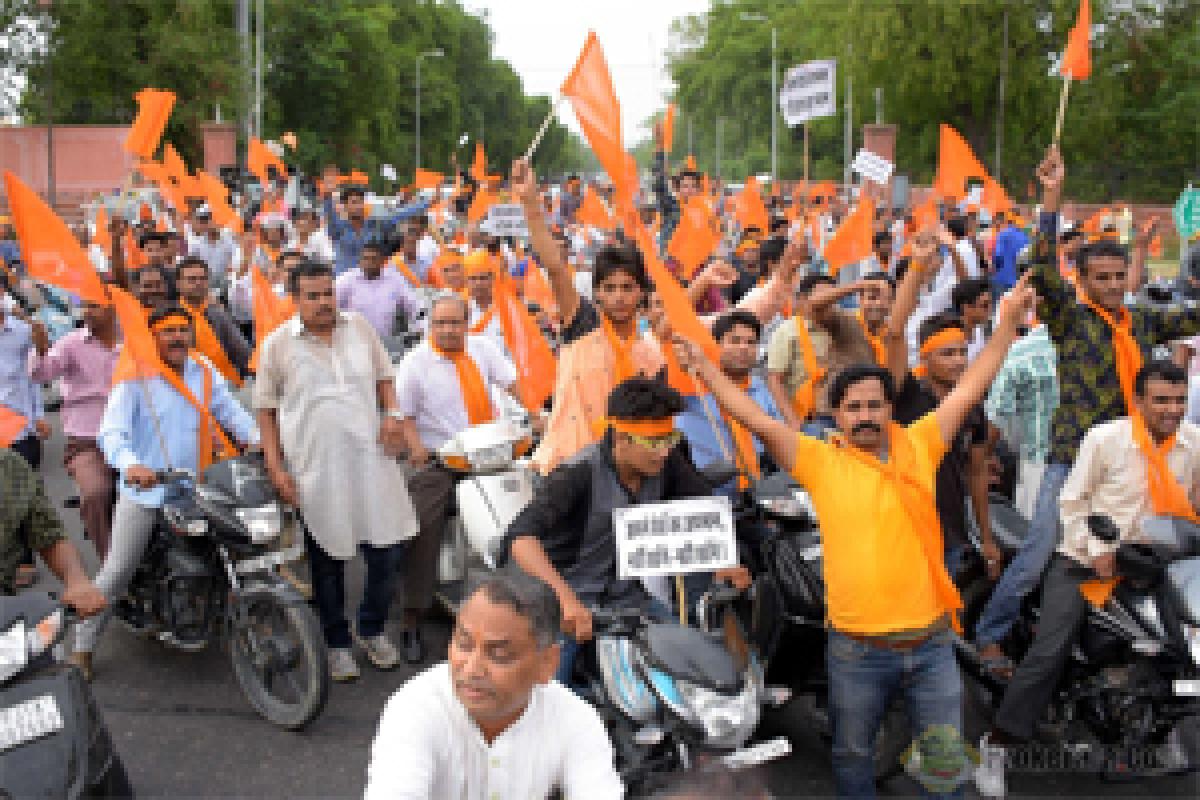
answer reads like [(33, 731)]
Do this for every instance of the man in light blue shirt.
[(18, 392), (148, 426), (351, 232), (702, 423)]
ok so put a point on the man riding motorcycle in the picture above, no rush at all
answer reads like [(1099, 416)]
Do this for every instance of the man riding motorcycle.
[(565, 535)]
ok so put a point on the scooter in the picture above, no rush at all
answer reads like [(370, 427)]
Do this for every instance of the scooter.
[(53, 741), (495, 484)]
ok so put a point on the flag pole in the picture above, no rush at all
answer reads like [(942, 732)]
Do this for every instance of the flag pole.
[(1062, 107), (537, 138)]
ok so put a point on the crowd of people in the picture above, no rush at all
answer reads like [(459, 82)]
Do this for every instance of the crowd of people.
[(968, 355)]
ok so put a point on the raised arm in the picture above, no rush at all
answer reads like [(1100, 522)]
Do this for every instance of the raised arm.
[(896, 334), (524, 185), (974, 383), (824, 297), (1054, 293)]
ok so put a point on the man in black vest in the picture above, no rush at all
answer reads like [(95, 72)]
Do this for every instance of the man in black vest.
[(565, 535)]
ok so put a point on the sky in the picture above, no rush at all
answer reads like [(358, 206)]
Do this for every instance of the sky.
[(542, 39)]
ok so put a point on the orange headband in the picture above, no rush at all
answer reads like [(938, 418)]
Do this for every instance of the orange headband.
[(943, 338), (479, 263), (643, 427), (169, 319)]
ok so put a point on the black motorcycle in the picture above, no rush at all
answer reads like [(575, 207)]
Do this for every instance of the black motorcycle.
[(53, 741), (1128, 702), (211, 571), (780, 536)]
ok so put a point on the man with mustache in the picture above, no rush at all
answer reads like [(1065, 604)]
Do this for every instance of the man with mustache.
[(149, 426), (490, 722), (891, 603)]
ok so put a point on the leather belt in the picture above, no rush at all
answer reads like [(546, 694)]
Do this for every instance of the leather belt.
[(901, 645)]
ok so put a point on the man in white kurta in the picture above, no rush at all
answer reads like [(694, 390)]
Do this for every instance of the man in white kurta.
[(331, 438)]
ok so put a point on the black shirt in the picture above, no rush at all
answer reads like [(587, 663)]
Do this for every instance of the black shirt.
[(558, 513), (916, 399)]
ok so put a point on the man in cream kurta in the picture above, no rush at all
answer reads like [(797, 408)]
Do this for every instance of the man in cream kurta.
[(324, 391)]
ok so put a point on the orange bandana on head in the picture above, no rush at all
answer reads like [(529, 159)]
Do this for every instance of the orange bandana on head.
[(805, 398), (642, 427), (470, 380), (947, 337)]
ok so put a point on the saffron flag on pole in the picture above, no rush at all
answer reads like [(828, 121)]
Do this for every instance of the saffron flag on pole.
[(592, 211), (669, 128), (589, 87), (956, 163), (269, 309), (260, 159), (531, 353), (1077, 58), (50, 251), (154, 108), (695, 237), (427, 179), (749, 209), (852, 240)]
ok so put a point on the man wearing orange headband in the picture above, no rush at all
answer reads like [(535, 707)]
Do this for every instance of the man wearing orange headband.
[(149, 426), (565, 535), (943, 360), (890, 602), (480, 267), (1101, 344)]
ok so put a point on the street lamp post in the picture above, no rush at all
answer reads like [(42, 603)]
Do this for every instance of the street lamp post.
[(748, 17), (50, 178), (420, 56)]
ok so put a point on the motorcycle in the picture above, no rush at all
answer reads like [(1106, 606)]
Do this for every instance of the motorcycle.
[(1128, 700), (53, 741), (781, 537), (209, 572), (675, 698), (495, 485)]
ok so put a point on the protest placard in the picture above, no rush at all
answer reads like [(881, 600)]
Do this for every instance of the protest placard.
[(675, 538)]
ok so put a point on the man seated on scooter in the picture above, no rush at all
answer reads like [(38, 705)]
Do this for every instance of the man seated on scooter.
[(149, 426), (489, 721), (565, 535), (28, 521), (1129, 469), (443, 386)]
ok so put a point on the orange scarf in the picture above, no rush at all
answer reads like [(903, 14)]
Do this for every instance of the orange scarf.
[(209, 345), (743, 444), (470, 380), (404, 270), (919, 504), (1125, 350), (622, 350), (805, 398), (876, 342), (485, 319)]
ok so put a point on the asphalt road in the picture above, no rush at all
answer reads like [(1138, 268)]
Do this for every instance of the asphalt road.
[(184, 730)]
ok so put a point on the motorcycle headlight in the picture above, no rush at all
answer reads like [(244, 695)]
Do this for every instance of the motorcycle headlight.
[(263, 523), (790, 506), (14, 651), (728, 719)]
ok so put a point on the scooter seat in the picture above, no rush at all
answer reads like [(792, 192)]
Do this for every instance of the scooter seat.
[(691, 655)]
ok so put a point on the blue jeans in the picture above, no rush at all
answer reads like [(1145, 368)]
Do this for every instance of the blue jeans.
[(1025, 570), (329, 590), (862, 680)]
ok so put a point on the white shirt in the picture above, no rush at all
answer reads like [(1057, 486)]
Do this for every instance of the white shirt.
[(494, 330), (219, 254), (318, 246), (428, 391), (428, 748), (427, 253), (969, 257), (1109, 477)]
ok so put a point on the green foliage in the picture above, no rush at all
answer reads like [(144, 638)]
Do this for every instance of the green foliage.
[(1132, 130), (339, 73)]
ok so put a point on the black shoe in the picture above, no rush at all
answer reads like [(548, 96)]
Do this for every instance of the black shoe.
[(411, 646)]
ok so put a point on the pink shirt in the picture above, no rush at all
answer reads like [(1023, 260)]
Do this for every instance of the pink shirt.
[(83, 365)]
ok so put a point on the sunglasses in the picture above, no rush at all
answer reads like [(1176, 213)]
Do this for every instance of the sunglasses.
[(665, 442)]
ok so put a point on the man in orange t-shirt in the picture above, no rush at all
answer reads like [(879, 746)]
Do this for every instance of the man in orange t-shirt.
[(891, 603)]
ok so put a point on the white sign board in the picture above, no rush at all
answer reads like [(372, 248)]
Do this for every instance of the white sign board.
[(675, 538), (809, 91), (505, 220), (873, 167), (388, 172)]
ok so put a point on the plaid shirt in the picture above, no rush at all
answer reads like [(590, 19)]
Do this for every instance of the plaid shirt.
[(1025, 393), (26, 517), (1089, 389)]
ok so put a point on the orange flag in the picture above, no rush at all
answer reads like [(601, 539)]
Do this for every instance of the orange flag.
[(695, 237), (218, 201), (691, 164), (259, 160), (592, 211), (1077, 58), (749, 209), (537, 289), (426, 179), (852, 241), (926, 214), (484, 200), (50, 251), (669, 127), (956, 163), (590, 89), (479, 165), (154, 107), (102, 237), (995, 199), (530, 351), (358, 177), (270, 311), (11, 424), (176, 169)]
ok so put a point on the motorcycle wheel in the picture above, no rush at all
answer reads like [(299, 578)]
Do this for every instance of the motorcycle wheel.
[(279, 657)]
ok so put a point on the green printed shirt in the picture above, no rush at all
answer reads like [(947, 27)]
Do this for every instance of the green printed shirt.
[(1089, 390), (26, 517)]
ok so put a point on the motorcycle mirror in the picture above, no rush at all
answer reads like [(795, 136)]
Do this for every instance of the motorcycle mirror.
[(1103, 528), (718, 473)]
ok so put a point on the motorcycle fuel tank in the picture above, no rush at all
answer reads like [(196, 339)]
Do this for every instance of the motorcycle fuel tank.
[(487, 504)]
